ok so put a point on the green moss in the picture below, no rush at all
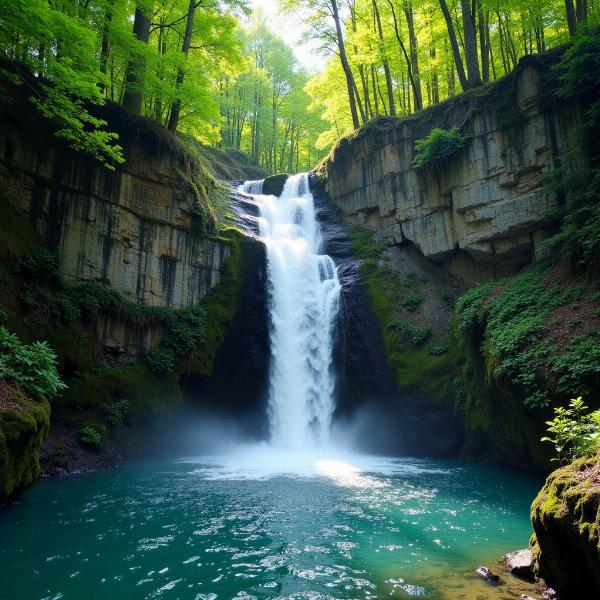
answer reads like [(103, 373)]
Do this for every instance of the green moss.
[(566, 518), (220, 304), (149, 395), (23, 429), (394, 299), (516, 326), (273, 185)]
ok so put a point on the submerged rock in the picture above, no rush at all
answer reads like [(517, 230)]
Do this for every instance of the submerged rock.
[(566, 521), (519, 563), (487, 575)]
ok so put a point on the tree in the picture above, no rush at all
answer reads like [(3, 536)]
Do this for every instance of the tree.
[(136, 67)]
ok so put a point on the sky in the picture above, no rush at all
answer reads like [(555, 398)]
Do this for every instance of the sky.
[(290, 27)]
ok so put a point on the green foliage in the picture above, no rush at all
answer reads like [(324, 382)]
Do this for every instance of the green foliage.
[(31, 366), (521, 342), (55, 43), (578, 239), (90, 436), (412, 301), (434, 350), (415, 336), (438, 147), (575, 432), (116, 411), (161, 360)]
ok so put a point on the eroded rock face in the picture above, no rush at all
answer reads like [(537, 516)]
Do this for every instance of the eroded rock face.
[(566, 522), (130, 228), (368, 397), (483, 213)]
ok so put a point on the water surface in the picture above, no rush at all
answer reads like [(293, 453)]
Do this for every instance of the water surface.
[(255, 524)]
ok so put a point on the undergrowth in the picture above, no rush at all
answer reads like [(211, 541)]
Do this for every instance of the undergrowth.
[(525, 340)]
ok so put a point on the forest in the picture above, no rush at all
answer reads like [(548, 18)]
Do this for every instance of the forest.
[(216, 71)]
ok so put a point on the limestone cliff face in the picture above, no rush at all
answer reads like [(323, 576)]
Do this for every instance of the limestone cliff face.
[(485, 212), (130, 228)]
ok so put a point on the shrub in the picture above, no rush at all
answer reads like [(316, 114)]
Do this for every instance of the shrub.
[(412, 301), (415, 336), (576, 433), (116, 412), (438, 146), (90, 436), (32, 366), (161, 360), (517, 322)]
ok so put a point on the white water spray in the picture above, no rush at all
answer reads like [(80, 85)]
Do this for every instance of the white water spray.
[(304, 292)]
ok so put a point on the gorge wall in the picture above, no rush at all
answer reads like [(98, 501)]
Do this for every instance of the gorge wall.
[(484, 212), (423, 236), (112, 267)]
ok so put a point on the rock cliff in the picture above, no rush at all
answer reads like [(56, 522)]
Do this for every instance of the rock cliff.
[(131, 228), (485, 213)]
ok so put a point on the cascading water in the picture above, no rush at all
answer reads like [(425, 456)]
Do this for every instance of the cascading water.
[(304, 293)]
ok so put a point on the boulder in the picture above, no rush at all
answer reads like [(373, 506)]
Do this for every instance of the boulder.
[(487, 575), (566, 522), (519, 563), (273, 185)]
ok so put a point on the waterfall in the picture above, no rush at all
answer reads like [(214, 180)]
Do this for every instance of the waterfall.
[(304, 293), (252, 187)]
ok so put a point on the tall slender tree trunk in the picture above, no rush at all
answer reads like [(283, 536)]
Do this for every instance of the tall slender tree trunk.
[(345, 65), (105, 43), (474, 77), (483, 25), (384, 60), (414, 55), (187, 42), (582, 10), (571, 17), (409, 66), (136, 66), (460, 70), (375, 98)]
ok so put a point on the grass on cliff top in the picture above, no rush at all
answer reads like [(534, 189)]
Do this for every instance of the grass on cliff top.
[(418, 356)]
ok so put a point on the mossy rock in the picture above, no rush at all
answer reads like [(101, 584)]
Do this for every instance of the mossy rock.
[(273, 185), (566, 522), (150, 395), (24, 425)]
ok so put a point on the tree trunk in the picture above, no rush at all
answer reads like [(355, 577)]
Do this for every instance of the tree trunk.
[(474, 78), (409, 67), (582, 10), (483, 24), (345, 65), (105, 44), (375, 98), (134, 79), (414, 55), (187, 42), (571, 17), (386, 66), (454, 43)]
